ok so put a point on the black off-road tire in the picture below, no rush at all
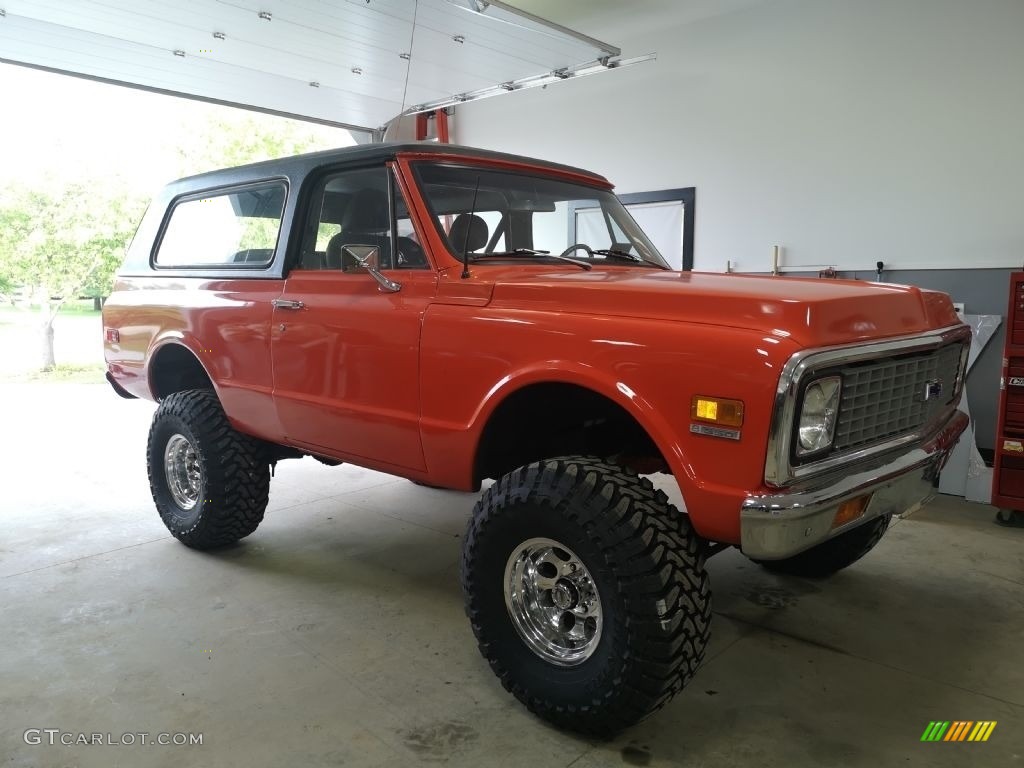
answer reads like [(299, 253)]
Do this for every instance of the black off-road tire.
[(648, 566), (833, 555), (234, 471)]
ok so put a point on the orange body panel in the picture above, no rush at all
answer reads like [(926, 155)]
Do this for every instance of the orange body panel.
[(345, 368), (226, 325), (405, 382)]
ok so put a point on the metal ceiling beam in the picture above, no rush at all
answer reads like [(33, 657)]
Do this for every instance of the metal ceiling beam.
[(481, 6), (558, 76)]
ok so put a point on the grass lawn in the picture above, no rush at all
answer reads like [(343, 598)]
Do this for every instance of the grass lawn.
[(78, 307), (73, 374)]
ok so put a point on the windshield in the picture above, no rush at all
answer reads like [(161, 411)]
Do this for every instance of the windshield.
[(519, 216)]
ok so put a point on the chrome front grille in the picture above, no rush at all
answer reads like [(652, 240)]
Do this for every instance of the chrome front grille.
[(890, 397)]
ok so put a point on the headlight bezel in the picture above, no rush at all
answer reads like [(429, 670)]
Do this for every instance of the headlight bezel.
[(831, 406)]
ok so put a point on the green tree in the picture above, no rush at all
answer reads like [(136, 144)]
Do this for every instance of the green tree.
[(230, 137), (57, 243), (15, 227), (123, 213)]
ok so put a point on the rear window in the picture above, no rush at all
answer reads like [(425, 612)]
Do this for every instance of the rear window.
[(238, 227)]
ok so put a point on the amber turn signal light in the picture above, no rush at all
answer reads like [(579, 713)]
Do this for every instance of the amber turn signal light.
[(717, 410), (850, 510)]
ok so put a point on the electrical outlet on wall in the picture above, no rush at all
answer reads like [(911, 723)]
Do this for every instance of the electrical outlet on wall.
[(958, 307)]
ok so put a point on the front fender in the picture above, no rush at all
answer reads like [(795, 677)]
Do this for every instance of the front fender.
[(472, 359)]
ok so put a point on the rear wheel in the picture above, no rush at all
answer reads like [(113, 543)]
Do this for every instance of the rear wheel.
[(586, 591), (210, 483), (832, 555)]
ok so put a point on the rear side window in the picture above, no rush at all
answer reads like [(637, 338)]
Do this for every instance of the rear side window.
[(234, 227)]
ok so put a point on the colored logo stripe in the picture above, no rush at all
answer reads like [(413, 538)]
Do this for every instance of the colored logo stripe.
[(958, 730), (982, 731)]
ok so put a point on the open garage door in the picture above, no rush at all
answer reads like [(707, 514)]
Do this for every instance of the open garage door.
[(354, 63)]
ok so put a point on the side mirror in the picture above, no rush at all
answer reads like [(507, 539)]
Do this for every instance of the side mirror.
[(367, 257)]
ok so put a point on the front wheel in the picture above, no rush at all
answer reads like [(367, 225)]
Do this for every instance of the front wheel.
[(586, 591), (210, 483)]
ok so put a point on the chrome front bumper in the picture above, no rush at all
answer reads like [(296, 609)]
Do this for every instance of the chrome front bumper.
[(773, 527)]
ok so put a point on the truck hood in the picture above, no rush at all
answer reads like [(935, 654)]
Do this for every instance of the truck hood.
[(813, 312)]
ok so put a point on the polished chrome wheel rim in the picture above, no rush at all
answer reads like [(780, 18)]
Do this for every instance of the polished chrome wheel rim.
[(553, 602), (181, 467)]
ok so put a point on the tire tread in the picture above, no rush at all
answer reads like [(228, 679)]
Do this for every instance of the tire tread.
[(237, 487), (658, 562)]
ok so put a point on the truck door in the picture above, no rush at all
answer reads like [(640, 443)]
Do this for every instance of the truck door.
[(345, 347)]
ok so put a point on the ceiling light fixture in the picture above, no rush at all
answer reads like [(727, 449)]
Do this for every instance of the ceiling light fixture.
[(459, 38), (219, 36), (404, 56), (357, 70), (314, 84), (179, 52), (267, 15)]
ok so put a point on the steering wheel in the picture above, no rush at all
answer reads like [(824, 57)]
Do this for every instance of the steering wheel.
[(578, 247)]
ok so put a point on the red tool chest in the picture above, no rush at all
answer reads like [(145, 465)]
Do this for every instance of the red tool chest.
[(1008, 477)]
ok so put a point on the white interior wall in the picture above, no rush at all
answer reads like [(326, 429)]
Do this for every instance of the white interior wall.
[(846, 132)]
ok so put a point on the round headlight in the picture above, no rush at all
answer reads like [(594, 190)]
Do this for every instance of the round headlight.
[(818, 415)]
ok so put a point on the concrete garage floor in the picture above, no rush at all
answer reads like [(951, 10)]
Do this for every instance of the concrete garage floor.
[(335, 635)]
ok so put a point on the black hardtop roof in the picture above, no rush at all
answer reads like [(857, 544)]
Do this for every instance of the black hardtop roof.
[(362, 152)]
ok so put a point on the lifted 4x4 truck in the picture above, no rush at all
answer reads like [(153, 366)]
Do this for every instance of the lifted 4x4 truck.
[(451, 315)]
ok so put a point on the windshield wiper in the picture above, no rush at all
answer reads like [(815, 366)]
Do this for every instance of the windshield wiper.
[(615, 253), (530, 252)]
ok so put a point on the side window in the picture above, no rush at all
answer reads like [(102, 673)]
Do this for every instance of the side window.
[(353, 208), (324, 232), (350, 208), (408, 251), (239, 227)]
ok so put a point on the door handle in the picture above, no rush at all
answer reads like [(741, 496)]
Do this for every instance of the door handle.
[(287, 304)]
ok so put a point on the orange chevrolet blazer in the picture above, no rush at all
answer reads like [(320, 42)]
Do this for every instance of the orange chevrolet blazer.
[(435, 312)]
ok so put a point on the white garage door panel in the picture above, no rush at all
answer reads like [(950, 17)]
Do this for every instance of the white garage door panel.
[(95, 56), (269, 64), (297, 51)]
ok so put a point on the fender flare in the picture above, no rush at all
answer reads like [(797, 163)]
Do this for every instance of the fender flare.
[(179, 339), (587, 377)]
